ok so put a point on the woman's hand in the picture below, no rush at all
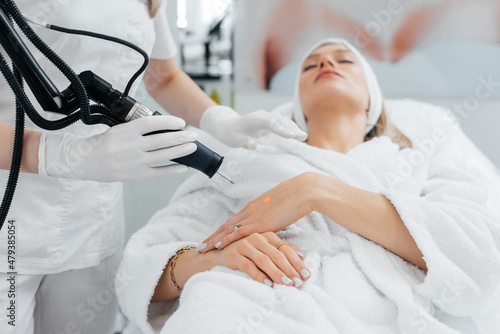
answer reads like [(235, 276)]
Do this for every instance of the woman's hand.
[(272, 211), (257, 256)]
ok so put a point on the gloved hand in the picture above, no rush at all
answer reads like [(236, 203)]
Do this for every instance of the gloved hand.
[(236, 130), (121, 153)]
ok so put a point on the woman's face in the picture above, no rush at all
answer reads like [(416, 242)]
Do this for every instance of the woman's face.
[(332, 76)]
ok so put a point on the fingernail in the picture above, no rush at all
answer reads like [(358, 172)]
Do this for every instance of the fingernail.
[(286, 280), (300, 253), (201, 247), (304, 273), (297, 282), (217, 245), (268, 282)]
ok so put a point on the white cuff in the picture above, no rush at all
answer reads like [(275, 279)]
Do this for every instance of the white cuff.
[(41, 156), (209, 119)]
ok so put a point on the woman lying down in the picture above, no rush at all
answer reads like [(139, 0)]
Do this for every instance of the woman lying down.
[(362, 229)]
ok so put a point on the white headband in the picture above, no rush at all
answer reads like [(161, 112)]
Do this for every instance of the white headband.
[(371, 80)]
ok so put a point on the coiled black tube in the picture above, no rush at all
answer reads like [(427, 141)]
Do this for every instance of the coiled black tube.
[(24, 101), (78, 87), (23, 104), (15, 165)]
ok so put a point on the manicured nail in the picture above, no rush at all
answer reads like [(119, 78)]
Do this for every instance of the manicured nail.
[(268, 282), (304, 273), (286, 280), (300, 253), (217, 245), (201, 247), (297, 282)]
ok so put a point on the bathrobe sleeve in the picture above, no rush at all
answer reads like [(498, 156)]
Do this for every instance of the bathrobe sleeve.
[(187, 221), (455, 222)]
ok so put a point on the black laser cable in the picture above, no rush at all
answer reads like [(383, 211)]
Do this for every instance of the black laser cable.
[(75, 81), (90, 114), (86, 109), (111, 39), (99, 36), (23, 104), (17, 152)]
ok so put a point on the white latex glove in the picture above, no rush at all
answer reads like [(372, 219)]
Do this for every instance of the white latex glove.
[(121, 153), (236, 130)]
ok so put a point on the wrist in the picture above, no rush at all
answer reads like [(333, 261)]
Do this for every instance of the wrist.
[(200, 261), (187, 264), (214, 115), (209, 259), (58, 157), (321, 191)]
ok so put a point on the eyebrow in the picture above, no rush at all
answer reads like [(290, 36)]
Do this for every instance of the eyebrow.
[(336, 51)]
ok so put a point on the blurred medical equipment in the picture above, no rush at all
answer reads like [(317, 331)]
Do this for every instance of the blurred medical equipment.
[(205, 39), (113, 107)]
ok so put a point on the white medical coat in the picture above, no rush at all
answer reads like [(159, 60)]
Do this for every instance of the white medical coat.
[(68, 224)]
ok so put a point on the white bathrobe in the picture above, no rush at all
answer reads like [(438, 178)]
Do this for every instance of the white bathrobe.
[(445, 190)]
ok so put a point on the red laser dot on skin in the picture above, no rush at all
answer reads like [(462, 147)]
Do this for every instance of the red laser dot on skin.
[(267, 199)]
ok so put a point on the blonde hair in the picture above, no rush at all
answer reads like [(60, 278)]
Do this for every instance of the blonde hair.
[(153, 6), (385, 127)]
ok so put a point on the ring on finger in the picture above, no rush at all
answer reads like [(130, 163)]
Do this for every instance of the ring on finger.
[(279, 244), (236, 226)]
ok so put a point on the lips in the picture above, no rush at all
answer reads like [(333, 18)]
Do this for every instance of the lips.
[(327, 73)]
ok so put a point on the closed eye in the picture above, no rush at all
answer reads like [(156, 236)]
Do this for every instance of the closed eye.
[(309, 67), (346, 61)]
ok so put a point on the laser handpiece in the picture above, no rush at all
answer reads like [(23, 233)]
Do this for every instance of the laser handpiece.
[(203, 159), (127, 109)]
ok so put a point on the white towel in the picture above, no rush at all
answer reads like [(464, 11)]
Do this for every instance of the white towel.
[(449, 201), (376, 98)]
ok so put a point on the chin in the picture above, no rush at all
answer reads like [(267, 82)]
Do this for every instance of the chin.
[(334, 99)]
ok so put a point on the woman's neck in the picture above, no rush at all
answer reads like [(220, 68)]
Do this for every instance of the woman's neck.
[(336, 132)]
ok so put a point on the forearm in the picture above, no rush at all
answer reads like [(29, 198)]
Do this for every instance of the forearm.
[(368, 214), (176, 92), (187, 265), (29, 162)]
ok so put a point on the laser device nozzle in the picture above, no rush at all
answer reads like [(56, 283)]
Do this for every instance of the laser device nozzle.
[(225, 177)]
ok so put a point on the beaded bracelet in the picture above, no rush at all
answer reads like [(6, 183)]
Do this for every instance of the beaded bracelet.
[(172, 265)]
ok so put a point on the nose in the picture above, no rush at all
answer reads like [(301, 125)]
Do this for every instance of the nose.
[(327, 60)]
